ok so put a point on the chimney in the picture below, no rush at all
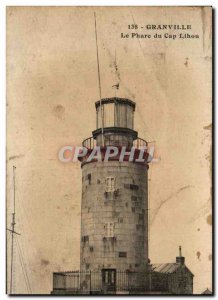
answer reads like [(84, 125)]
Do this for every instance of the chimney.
[(180, 259)]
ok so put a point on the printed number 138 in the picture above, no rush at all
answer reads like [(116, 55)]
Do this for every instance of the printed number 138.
[(133, 26)]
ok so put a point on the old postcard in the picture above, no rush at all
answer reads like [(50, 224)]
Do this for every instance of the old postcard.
[(109, 150)]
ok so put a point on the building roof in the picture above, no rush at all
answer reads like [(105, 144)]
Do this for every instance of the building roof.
[(167, 268), (207, 292)]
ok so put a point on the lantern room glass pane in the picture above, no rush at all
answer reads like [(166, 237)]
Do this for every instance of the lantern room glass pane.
[(109, 115)]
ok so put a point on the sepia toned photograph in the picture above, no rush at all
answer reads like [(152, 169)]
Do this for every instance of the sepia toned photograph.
[(109, 150)]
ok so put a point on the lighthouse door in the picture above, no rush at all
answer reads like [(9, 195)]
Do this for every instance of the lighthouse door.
[(109, 280)]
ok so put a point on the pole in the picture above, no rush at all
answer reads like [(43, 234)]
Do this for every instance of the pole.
[(115, 66), (180, 251), (12, 235), (99, 83), (90, 287)]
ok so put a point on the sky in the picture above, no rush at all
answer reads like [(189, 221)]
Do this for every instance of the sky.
[(52, 86)]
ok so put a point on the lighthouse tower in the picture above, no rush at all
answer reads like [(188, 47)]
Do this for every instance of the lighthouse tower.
[(114, 209), (114, 215)]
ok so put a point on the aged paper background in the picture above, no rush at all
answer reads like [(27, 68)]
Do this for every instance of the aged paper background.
[(51, 89)]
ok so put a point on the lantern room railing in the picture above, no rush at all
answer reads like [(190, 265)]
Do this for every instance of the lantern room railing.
[(90, 143), (140, 143)]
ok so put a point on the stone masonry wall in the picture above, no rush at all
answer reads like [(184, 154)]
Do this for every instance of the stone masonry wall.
[(114, 224)]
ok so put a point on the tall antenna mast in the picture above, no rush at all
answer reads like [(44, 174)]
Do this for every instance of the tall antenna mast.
[(99, 83), (12, 230), (115, 66), (115, 86)]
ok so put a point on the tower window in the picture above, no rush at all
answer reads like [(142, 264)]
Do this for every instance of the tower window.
[(109, 229), (133, 198), (85, 238), (122, 254), (88, 177), (141, 217), (131, 186), (134, 187), (110, 184)]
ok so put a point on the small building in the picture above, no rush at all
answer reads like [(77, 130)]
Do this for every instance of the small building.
[(166, 278), (172, 278)]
